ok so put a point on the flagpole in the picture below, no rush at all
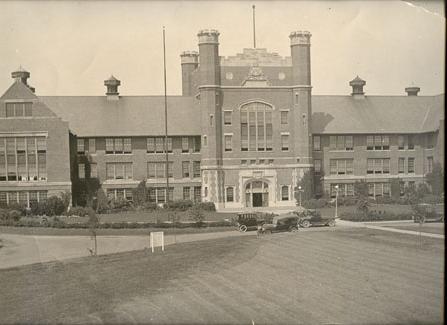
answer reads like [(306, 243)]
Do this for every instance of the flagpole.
[(166, 119), (254, 27)]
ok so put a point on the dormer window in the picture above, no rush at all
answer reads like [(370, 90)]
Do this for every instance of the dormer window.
[(18, 109)]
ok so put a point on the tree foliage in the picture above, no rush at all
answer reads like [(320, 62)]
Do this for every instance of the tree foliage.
[(436, 179), (140, 194), (307, 186)]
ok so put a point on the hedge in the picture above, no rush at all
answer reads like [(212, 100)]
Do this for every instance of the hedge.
[(374, 216)]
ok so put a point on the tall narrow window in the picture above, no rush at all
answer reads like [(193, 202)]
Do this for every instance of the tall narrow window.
[(317, 166), (93, 170), (80, 147), (159, 145), (185, 169), (284, 142), (227, 117), (349, 142), (196, 169), (284, 117), (400, 142), (91, 145), (2, 160), (81, 171), (317, 142), (109, 146), (429, 164), (119, 148), (332, 142), (410, 142), (369, 142), (185, 144), (401, 166), (127, 145), (340, 142), (228, 143), (410, 165), (186, 193), (150, 145), (284, 193), (230, 194), (197, 193)]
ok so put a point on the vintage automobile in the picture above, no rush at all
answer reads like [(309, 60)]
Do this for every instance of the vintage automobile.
[(282, 222), (247, 221), (311, 217), (425, 212)]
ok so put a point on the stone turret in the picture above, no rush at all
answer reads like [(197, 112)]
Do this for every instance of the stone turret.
[(190, 62), (300, 49)]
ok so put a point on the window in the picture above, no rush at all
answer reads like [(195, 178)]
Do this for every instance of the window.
[(205, 141), (26, 198), (228, 143), (349, 142), (284, 117), (429, 164), (410, 165), (119, 171), (230, 194), (332, 142), (119, 148), (196, 144), (256, 127), (150, 145), (197, 193), (430, 141), (185, 169), (401, 165), (284, 142), (156, 170), (93, 170), (196, 169), (91, 145), (211, 119), (317, 166), (400, 142), (284, 193), (379, 189), (81, 170), (341, 166), (317, 143), (127, 145), (378, 166), (159, 145), (410, 142), (18, 109), (186, 193), (80, 146), (369, 142), (23, 159), (185, 145), (109, 146), (227, 117)]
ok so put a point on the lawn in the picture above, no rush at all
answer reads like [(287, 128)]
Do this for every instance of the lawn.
[(332, 276), (389, 208)]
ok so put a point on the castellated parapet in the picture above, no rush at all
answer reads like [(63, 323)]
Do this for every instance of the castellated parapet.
[(189, 57), (300, 38), (208, 36)]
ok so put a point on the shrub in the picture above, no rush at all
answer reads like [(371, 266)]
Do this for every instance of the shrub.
[(140, 194), (431, 199), (150, 206), (181, 205), (206, 206), (196, 214), (14, 215), (80, 211), (54, 206), (386, 200), (347, 201), (18, 207), (315, 203)]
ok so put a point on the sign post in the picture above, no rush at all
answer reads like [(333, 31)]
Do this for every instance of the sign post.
[(156, 240)]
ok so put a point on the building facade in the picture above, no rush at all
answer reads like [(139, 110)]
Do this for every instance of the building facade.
[(242, 134)]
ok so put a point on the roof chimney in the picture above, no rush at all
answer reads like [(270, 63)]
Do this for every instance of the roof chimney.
[(21, 75), (112, 88), (412, 91), (357, 87)]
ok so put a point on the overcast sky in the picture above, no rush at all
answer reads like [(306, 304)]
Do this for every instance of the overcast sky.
[(71, 47)]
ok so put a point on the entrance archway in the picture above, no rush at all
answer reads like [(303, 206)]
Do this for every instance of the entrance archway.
[(257, 194)]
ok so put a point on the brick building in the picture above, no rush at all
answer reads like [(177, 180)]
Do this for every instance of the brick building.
[(243, 133)]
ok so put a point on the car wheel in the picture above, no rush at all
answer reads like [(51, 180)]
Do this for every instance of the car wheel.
[(243, 228), (331, 223), (294, 229), (305, 224)]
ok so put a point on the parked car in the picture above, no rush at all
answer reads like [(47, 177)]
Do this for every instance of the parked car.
[(312, 217), (283, 222), (251, 220), (425, 212)]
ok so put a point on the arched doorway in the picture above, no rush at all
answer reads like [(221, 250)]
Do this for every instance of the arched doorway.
[(257, 194)]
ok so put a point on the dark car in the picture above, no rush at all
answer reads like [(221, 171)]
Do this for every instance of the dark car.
[(250, 220), (425, 212), (311, 217), (283, 222)]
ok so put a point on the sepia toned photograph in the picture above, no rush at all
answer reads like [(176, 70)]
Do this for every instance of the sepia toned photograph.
[(222, 162)]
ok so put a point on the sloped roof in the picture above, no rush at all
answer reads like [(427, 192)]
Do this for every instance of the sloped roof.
[(18, 90), (376, 114), (91, 116)]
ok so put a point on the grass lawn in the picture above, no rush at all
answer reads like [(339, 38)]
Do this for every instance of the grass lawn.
[(392, 208), (433, 228), (337, 276)]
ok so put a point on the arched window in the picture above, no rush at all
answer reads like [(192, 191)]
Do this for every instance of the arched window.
[(256, 127), (284, 193)]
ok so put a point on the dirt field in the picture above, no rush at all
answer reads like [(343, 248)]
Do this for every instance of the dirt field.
[(356, 276)]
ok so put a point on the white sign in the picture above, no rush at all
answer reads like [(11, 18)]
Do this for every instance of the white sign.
[(157, 239)]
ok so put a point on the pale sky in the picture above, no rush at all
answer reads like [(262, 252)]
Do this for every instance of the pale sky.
[(71, 47)]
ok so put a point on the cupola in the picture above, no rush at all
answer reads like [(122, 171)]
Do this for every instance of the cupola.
[(112, 88), (21, 75), (357, 87), (412, 91)]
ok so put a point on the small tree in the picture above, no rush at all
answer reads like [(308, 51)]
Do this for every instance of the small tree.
[(361, 189), (307, 186), (93, 223), (102, 203), (436, 179), (66, 199), (140, 194), (395, 189), (196, 214)]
